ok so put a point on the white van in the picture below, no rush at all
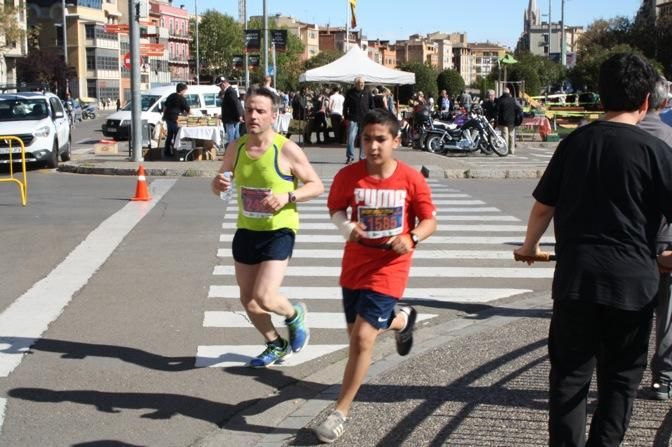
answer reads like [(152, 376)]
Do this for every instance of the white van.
[(202, 99)]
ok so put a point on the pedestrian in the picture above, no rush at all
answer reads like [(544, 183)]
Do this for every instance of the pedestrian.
[(358, 101), (109, 103), (385, 198), (606, 187), (300, 113), (506, 118), (465, 101), (444, 102), (389, 101), (661, 362), (118, 104), (232, 110), (268, 82), (490, 106), (266, 168), (175, 105), (336, 113)]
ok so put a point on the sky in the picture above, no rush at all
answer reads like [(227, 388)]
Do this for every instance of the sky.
[(498, 21)]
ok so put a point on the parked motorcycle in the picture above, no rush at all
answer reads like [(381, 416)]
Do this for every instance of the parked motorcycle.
[(89, 112), (476, 134)]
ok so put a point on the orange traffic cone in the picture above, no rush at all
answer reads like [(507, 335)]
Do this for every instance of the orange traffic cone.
[(141, 192)]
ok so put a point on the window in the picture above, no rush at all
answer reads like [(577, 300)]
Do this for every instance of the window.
[(90, 30), (210, 99), (192, 100)]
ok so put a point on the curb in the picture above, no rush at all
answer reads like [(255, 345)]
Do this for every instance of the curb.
[(73, 168), (299, 413), (433, 171)]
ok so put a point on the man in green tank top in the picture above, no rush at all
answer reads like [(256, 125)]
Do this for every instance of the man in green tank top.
[(267, 169)]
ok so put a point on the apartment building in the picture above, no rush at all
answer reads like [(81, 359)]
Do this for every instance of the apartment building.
[(444, 46), (417, 49), (543, 40), (333, 39), (382, 52), (484, 58), (12, 49), (308, 33)]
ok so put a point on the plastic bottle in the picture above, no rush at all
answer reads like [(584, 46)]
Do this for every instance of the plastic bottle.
[(226, 195)]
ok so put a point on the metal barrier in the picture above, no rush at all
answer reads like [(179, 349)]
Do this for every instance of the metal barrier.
[(23, 185)]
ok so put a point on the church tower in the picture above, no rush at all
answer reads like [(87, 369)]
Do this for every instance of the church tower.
[(532, 16)]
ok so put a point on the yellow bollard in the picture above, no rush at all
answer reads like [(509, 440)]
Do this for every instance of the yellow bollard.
[(23, 185)]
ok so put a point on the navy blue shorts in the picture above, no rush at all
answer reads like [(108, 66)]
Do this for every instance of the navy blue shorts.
[(374, 307), (254, 247)]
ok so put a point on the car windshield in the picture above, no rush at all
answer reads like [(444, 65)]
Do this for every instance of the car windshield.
[(146, 102), (22, 109)]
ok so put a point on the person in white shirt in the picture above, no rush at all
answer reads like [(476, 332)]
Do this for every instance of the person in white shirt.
[(336, 113)]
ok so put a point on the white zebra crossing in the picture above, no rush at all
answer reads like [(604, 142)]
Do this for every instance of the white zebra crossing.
[(464, 221)]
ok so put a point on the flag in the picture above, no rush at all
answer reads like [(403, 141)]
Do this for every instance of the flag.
[(353, 20)]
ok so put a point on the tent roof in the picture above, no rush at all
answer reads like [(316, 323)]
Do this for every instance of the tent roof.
[(353, 64)]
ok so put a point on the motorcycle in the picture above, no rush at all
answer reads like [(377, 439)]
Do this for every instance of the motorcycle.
[(89, 112), (421, 123), (476, 134)]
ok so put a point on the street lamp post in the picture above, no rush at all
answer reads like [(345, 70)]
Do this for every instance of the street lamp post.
[(198, 63), (65, 35)]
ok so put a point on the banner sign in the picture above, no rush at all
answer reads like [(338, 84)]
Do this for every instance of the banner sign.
[(252, 40), (279, 38), (253, 60), (238, 61)]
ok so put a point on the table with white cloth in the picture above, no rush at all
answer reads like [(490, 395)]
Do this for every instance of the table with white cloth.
[(208, 133)]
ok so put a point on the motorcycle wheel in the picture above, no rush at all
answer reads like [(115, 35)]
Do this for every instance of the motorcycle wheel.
[(498, 145), (433, 144), (484, 146)]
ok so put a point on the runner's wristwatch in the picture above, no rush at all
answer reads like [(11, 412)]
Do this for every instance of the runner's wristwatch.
[(291, 197), (415, 239)]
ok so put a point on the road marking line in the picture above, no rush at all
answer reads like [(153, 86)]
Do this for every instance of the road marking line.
[(481, 240), (314, 320), (27, 318), (441, 227), (3, 406), (446, 294), (419, 253), (305, 214), (227, 356), (440, 218), (416, 272)]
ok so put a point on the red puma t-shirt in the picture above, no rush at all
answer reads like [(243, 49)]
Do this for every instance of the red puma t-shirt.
[(388, 207)]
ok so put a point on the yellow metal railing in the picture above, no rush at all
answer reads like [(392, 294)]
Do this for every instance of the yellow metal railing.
[(23, 185)]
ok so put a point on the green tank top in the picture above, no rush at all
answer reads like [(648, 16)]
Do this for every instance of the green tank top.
[(254, 178)]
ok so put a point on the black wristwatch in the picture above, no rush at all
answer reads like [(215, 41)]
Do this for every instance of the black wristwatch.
[(415, 239), (291, 198)]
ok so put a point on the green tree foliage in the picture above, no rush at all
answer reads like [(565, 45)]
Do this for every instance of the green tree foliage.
[(40, 67), (425, 81), (220, 38), (450, 81), (324, 58), (9, 25)]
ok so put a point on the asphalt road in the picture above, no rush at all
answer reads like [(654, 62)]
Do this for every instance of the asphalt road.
[(146, 346)]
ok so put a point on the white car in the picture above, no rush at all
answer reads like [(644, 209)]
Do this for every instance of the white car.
[(40, 121)]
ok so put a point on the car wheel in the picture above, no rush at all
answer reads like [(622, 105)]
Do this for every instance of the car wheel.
[(67, 152), (52, 162)]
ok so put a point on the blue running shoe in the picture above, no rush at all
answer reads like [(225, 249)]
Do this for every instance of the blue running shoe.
[(299, 334), (271, 355)]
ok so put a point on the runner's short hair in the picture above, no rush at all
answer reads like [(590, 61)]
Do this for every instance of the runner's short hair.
[(384, 118), (257, 90), (624, 81)]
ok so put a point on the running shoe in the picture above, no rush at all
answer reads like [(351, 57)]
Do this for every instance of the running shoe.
[(660, 390), (271, 355), (332, 428), (404, 337), (299, 334)]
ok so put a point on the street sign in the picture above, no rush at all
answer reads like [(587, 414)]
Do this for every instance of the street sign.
[(271, 69), (253, 60), (279, 38), (127, 61), (252, 39)]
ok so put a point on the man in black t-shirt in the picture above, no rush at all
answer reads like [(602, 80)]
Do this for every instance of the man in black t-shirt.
[(174, 106), (606, 188)]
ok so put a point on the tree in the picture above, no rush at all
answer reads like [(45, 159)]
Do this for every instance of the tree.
[(323, 58), (584, 75), (425, 81), (10, 26), (220, 38), (450, 81), (40, 67), (527, 73)]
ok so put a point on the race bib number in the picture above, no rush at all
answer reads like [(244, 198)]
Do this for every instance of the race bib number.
[(381, 221), (252, 206)]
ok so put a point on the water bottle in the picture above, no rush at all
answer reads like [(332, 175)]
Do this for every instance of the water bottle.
[(226, 195)]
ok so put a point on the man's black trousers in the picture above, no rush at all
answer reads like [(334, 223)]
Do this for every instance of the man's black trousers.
[(584, 336)]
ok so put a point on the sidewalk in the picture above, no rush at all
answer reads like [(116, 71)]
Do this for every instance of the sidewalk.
[(480, 380), (327, 160)]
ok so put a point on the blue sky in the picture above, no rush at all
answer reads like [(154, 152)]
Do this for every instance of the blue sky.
[(494, 20)]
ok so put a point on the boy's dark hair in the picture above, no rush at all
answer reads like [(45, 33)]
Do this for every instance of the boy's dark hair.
[(625, 80), (384, 118), (181, 86), (256, 90)]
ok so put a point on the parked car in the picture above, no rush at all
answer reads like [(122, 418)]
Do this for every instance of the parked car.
[(41, 122), (202, 99)]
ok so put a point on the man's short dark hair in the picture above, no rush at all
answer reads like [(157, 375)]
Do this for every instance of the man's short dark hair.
[(625, 80), (659, 94), (181, 86), (384, 118), (256, 90)]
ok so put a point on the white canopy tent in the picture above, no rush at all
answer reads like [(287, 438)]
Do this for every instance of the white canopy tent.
[(353, 64)]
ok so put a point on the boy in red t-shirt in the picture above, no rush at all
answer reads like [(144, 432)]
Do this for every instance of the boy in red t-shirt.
[(386, 197)]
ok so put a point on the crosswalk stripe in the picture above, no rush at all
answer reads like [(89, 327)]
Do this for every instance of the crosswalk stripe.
[(227, 356), (314, 320), (481, 240), (417, 272), (323, 203), (447, 294), (420, 253), (305, 214), (440, 218), (441, 227)]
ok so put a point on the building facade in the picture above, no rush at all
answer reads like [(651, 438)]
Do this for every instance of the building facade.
[(308, 33), (334, 39), (382, 52), (12, 49), (484, 58), (417, 49)]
